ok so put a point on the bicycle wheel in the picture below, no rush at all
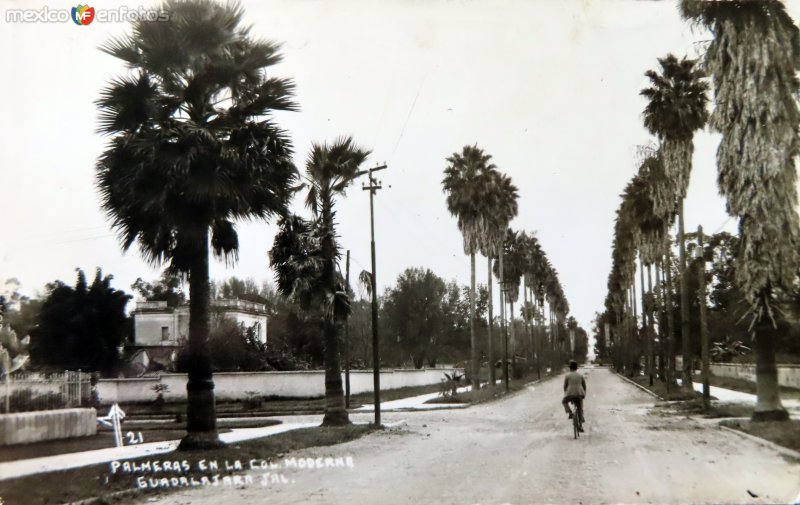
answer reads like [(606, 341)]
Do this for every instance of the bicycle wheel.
[(576, 422)]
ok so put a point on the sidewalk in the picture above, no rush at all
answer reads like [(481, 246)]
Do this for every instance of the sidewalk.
[(24, 467), (416, 403), (731, 396)]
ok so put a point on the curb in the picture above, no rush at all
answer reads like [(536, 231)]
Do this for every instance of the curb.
[(100, 500), (785, 451), (447, 406), (638, 386)]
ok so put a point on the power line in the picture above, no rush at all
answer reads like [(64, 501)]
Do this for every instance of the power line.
[(723, 225), (408, 116)]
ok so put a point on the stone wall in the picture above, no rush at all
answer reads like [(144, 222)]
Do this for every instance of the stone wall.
[(231, 386), (28, 427)]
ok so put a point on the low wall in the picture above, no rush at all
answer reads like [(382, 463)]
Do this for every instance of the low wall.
[(27, 427), (788, 375), (230, 386)]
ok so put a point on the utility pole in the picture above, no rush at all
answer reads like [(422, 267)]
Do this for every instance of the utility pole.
[(372, 187), (347, 337), (701, 299), (502, 283)]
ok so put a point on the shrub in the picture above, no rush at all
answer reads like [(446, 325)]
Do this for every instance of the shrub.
[(253, 400), (160, 389), (450, 384)]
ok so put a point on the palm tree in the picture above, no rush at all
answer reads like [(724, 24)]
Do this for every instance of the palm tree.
[(465, 183), (329, 171), (622, 277), (535, 278), (500, 207), (514, 255), (643, 207), (676, 109), (753, 60), (192, 150), (657, 206)]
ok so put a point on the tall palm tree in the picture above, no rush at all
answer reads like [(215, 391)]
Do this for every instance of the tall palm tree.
[(676, 109), (465, 183), (753, 60), (623, 274), (657, 214), (500, 207), (330, 169), (642, 206), (192, 150), (514, 256), (535, 278)]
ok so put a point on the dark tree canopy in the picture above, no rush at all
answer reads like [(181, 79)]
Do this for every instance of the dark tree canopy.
[(415, 309), (80, 327), (168, 288)]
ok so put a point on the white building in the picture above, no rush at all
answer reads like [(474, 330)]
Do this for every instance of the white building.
[(156, 324)]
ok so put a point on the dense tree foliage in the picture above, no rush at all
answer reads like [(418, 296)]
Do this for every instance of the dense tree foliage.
[(168, 288), (414, 308), (80, 327)]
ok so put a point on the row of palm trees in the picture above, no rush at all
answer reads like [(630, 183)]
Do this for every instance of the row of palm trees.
[(752, 62), (484, 201)]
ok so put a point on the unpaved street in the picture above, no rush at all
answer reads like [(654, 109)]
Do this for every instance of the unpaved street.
[(520, 450)]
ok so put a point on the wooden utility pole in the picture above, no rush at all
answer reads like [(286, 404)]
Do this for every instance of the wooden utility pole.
[(701, 299), (347, 337), (372, 187), (492, 374), (503, 328)]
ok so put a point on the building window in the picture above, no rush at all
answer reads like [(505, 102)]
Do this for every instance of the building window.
[(165, 333)]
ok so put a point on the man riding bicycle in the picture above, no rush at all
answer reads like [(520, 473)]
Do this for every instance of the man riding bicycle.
[(574, 390)]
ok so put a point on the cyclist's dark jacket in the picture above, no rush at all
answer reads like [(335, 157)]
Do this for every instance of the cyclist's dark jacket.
[(574, 385)]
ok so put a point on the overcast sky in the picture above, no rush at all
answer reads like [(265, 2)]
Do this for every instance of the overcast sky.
[(549, 88)]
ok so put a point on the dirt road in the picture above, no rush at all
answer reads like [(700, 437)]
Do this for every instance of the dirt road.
[(520, 450)]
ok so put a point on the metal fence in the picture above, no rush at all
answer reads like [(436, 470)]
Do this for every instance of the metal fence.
[(29, 391)]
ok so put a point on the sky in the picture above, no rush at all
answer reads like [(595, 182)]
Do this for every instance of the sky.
[(549, 88)]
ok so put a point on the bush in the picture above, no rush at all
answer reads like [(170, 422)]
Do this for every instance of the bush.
[(159, 390), (253, 401), (450, 384)]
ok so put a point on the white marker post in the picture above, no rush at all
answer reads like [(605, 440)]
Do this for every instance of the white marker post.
[(113, 419)]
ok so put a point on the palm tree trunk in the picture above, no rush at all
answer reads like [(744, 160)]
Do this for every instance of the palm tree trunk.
[(476, 381), (645, 326), (528, 333), (685, 337), (633, 360), (671, 369), (201, 417), (490, 352), (660, 321), (503, 320), (768, 399), (512, 336), (335, 411), (650, 329)]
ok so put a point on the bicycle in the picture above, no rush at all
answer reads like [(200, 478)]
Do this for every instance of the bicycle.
[(577, 416)]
